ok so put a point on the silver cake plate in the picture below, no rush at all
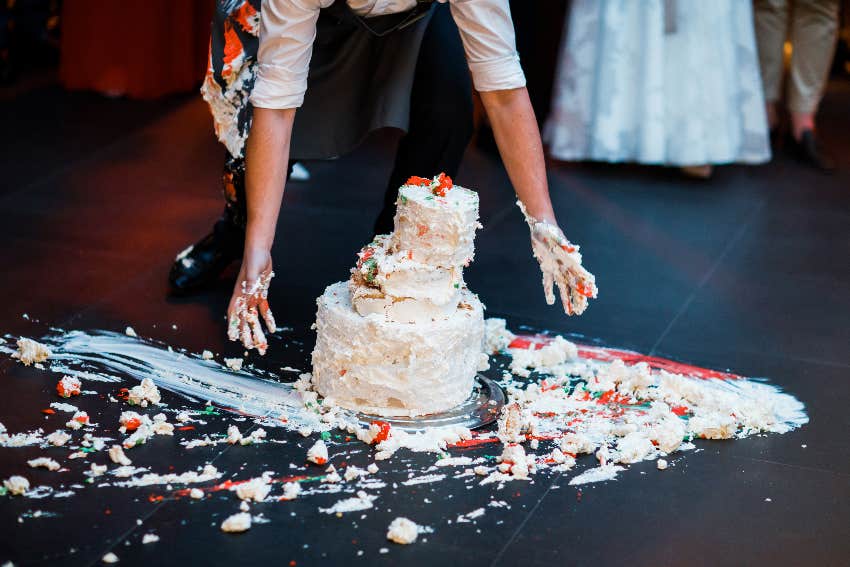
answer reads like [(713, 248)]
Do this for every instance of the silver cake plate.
[(481, 408)]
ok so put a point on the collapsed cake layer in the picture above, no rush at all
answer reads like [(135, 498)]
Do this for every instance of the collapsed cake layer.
[(436, 224), (399, 288), (395, 369)]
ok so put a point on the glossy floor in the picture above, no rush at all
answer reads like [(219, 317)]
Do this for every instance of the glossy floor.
[(749, 271)]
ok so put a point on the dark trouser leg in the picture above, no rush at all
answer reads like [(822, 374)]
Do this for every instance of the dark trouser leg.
[(206, 259), (440, 112), (233, 182)]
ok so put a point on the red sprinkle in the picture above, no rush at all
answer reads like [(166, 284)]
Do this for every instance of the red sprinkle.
[(444, 184), (416, 180), (383, 434)]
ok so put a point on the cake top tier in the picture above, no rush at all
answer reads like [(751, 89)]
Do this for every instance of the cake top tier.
[(436, 221)]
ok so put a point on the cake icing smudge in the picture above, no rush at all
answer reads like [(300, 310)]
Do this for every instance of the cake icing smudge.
[(564, 400)]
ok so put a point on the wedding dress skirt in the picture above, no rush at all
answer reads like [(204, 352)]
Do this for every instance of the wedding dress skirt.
[(632, 87)]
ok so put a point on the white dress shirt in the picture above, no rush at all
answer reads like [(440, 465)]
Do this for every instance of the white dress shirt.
[(288, 29)]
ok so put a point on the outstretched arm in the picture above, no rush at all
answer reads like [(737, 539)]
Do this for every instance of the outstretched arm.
[(287, 31), (488, 38), (266, 161), (518, 138)]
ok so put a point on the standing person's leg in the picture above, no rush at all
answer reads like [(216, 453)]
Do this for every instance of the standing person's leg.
[(814, 30), (440, 112), (771, 25)]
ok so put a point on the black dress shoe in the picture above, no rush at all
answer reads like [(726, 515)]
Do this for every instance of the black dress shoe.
[(204, 261), (809, 151)]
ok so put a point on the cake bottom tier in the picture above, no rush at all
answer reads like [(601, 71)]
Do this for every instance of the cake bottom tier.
[(395, 369)]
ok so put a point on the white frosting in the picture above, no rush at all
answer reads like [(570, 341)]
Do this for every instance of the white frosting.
[(367, 301), (405, 336), (395, 369), (439, 231), (400, 289)]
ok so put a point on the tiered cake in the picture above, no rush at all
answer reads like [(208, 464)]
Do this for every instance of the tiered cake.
[(404, 336)]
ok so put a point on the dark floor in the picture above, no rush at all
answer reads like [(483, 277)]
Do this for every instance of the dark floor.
[(749, 271)]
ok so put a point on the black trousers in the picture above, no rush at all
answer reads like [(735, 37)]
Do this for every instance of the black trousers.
[(440, 122)]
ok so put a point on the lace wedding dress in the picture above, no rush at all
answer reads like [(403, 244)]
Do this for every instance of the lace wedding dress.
[(659, 82)]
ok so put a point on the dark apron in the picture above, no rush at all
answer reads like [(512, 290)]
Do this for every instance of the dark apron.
[(359, 80)]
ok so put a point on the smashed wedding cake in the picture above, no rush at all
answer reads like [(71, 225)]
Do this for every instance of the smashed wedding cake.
[(403, 336)]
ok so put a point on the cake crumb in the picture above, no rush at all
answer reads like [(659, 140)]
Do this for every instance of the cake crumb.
[(45, 463), (144, 393), (30, 351), (16, 485), (291, 490), (117, 456), (69, 386), (110, 558), (404, 531), (662, 464), (318, 453), (58, 438), (240, 522)]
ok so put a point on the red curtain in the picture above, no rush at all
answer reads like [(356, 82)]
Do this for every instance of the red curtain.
[(136, 48)]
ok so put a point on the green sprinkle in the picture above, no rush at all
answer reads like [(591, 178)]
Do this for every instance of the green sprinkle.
[(210, 410), (325, 435), (371, 266), (88, 450), (3, 490), (403, 200), (457, 286)]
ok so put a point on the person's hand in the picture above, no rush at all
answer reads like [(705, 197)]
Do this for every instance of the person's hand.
[(250, 302), (560, 263)]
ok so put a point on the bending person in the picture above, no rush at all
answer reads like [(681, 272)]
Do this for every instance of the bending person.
[(287, 32)]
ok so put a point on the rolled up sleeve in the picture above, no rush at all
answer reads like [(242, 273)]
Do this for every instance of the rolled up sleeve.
[(487, 32), (287, 32)]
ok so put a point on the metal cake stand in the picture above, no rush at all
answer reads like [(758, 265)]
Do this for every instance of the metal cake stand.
[(481, 408)]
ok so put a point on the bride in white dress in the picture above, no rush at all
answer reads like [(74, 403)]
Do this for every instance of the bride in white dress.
[(668, 82)]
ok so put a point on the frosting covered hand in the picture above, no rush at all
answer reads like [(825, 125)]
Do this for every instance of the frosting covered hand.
[(250, 302), (560, 263)]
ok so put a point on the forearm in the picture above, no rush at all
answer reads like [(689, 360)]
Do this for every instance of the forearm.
[(266, 162), (518, 138)]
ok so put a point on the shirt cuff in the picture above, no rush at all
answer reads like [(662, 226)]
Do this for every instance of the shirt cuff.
[(499, 74), (278, 87)]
